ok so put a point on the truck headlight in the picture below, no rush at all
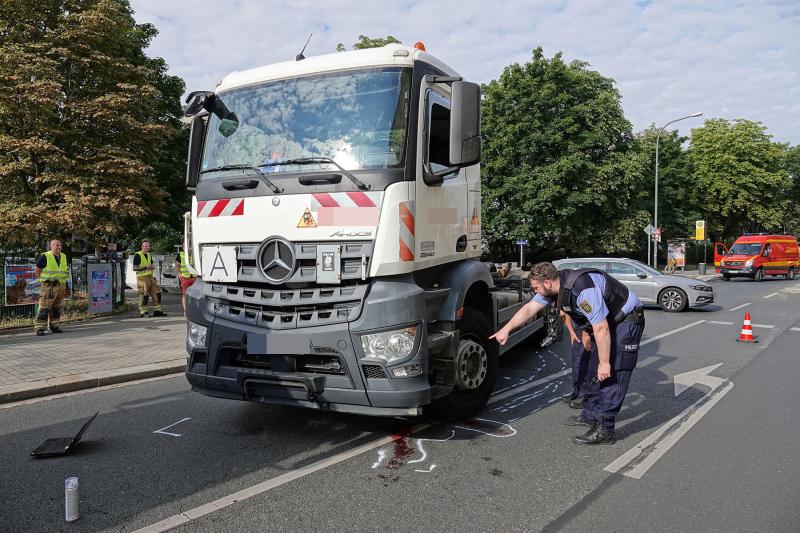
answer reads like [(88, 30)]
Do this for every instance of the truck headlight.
[(748, 263), (390, 345), (196, 335)]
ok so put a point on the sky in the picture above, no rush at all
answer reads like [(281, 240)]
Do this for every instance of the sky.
[(726, 59)]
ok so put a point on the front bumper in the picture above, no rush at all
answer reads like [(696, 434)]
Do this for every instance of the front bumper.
[(699, 298), (319, 367), (734, 272)]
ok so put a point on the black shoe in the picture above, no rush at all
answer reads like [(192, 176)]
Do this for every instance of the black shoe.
[(596, 435), (578, 420), (577, 403), (56, 329), (159, 313), (567, 398), (40, 333), (144, 315)]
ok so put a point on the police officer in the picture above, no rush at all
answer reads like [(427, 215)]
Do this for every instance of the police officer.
[(52, 269), (185, 277), (145, 282), (598, 303), (580, 351)]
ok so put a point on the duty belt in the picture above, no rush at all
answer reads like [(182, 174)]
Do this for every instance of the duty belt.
[(636, 316)]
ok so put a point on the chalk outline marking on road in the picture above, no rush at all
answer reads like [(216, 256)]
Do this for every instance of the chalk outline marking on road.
[(264, 486), (162, 432)]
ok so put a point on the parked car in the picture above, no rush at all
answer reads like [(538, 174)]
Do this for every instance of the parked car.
[(672, 293), (755, 256)]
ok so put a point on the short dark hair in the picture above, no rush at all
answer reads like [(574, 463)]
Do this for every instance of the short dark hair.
[(544, 271)]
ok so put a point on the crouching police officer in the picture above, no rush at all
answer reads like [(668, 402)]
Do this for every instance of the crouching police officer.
[(145, 282), (598, 303), (52, 269)]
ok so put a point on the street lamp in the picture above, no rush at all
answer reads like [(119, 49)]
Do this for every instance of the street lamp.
[(655, 207)]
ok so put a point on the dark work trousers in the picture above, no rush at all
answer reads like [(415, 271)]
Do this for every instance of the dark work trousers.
[(580, 367), (605, 398)]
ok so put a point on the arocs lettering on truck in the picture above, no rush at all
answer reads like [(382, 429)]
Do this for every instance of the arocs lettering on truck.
[(335, 231)]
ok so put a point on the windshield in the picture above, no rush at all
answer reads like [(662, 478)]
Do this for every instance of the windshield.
[(749, 248), (357, 118)]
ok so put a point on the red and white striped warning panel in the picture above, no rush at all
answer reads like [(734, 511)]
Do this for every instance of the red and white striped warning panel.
[(347, 208), (226, 207), (406, 231)]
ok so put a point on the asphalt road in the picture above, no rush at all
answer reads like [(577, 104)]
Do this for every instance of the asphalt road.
[(719, 456)]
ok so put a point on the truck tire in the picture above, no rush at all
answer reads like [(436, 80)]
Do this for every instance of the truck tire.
[(790, 274), (759, 275), (726, 277), (476, 369)]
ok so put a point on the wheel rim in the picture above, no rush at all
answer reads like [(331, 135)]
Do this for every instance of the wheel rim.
[(672, 300), (472, 365), (791, 273), (759, 274)]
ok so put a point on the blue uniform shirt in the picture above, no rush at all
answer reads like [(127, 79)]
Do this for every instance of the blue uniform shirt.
[(591, 303)]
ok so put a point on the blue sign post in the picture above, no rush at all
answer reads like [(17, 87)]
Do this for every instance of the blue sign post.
[(522, 243)]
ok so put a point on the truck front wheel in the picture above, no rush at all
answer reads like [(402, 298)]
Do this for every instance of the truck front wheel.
[(475, 372)]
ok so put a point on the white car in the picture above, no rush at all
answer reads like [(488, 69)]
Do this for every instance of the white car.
[(672, 293)]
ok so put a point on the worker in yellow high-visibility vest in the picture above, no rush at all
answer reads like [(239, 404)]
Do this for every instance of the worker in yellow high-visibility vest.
[(52, 269), (145, 282), (185, 277)]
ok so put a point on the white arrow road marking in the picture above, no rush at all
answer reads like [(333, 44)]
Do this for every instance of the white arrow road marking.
[(162, 432), (795, 329), (770, 295), (739, 307), (637, 461)]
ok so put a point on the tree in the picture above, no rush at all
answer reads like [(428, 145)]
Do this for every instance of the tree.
[(366, 42), (88, 123), (679, 206), (557, 166), (741, 178), (792, 167)]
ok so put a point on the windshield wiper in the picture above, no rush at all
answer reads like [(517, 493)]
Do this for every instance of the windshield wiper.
[(261, 175), (320, 161)]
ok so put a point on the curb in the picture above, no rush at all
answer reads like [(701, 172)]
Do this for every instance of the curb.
[(90, 380)]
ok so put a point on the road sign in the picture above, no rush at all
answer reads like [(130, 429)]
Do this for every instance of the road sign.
[(522, 242), (700, 230), (648, 229)]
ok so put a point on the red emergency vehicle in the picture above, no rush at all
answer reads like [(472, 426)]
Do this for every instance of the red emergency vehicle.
[(758, 255)]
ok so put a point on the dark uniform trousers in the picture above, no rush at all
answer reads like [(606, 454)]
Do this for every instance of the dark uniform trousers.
[(605, 398), (580, 369)]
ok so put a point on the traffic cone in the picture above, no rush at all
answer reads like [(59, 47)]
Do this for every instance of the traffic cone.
[(747, 330)]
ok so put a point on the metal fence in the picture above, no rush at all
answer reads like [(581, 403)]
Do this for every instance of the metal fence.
[(19, 287)]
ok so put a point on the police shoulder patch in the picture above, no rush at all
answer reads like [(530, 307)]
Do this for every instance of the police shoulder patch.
[(586, 306)]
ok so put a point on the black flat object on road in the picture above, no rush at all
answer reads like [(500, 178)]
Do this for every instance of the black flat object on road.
[(61, 445)]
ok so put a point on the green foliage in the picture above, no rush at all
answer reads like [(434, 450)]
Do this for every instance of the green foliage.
[(89, 125), (161, 235), (792, 168), (558, 168), (367, 42), (740, 173)]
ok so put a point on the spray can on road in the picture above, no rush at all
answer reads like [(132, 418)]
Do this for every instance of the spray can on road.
[(71, 499)]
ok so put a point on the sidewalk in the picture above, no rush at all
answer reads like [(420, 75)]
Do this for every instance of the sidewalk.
[(93, 353), (695, 274)]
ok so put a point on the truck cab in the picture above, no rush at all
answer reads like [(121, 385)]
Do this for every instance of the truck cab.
[(335, 230)]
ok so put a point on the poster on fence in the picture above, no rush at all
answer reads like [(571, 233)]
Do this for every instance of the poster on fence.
[(676, 254), (22, 287), (100, 288)]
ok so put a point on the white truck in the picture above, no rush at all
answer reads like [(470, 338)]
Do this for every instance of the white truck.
[(335, 229)]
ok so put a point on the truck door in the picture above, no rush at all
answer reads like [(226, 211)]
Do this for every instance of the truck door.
[(441, 225)]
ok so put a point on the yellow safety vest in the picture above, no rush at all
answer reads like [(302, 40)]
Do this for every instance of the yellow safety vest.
[(53, 270), (144, 261), (184, 267)]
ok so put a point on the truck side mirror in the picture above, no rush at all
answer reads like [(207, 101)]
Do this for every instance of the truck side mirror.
[(197, 101), (465, 124), (196, 137)]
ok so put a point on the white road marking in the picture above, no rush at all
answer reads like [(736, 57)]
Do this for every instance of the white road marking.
[(720, 323), (381, 458), (770, 295), (162, 432), (795, 329), (637, 461), (765, 326), (740, 306), (653, 339)]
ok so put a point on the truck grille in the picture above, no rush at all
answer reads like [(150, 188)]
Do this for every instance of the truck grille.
[(286, 308), (374, 372), (734, 263)]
